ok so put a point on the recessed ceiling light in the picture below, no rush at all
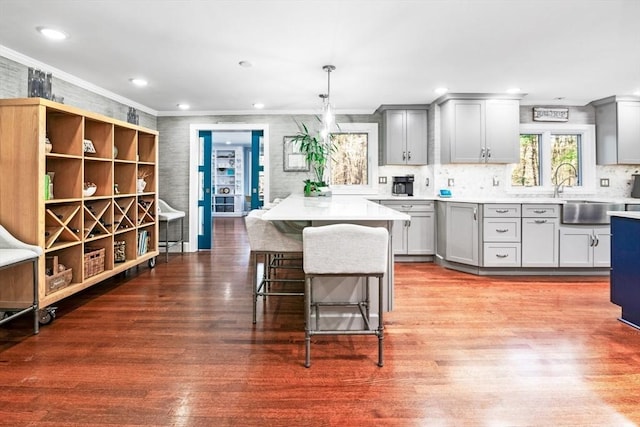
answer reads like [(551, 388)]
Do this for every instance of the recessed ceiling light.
[(258, 105), (139, 82), (637, 93), (245, 64), (513, 90), (228, 142), (441, 90), (184, 106), (51, 33)]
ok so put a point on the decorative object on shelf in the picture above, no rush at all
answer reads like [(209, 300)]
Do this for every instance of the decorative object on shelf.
[(141, 183), (50, 195), (294, 160), (119, 251), (89, 189), (88, 146), (132, 116), (542, 114), (115, 152), (57, 276), (47, 145), (116, 190), (39, 84)]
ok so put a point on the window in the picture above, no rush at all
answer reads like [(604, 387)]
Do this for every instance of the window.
[(555, 156), (354, 160)]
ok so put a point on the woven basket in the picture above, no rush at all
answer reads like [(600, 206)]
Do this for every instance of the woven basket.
[(93, 261)]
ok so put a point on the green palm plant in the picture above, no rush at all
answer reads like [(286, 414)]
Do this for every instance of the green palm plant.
[(317, 153)]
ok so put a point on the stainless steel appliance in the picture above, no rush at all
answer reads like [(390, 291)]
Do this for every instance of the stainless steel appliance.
[(402, 185)]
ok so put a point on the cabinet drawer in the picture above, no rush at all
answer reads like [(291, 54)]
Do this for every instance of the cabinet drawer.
[(501, 230), (501, 255), (510, 210), (410, 206), (540, 211)]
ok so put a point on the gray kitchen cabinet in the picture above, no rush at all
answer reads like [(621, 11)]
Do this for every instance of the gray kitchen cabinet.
[(417, 236), (540, 225), (501, 231), (480, 130), (617, 131), (585, 246), (404, 138), (462, 233)]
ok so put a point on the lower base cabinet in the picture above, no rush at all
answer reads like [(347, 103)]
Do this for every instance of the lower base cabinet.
[(582, 246), (540, 242), (462, 233), (417, 236)]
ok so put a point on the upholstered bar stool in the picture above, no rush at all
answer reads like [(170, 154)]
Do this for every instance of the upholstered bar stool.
[(166, 214), (14, 252), (266, 242), (344, 250)]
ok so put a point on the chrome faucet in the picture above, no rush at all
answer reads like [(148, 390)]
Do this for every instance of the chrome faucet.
[(556, 184)]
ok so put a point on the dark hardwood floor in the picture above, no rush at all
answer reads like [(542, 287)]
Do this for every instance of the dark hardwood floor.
[(175, 346)]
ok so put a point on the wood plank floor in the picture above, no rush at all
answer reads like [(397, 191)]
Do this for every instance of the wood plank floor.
[(175, 346)]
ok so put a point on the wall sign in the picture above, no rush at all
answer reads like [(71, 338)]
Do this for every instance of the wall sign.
[(541, 114)]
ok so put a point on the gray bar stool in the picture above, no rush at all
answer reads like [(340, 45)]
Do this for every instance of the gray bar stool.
[(13, 252), (166, 214), (344, 250), (268, 243)]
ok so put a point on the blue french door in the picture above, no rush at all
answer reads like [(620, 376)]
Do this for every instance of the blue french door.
[(204, 189), (257, 169)]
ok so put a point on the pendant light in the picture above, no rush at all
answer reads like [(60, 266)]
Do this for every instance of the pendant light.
[(327, 109)]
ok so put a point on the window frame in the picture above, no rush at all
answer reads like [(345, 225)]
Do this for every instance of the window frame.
[(587, 153), (371, 129)]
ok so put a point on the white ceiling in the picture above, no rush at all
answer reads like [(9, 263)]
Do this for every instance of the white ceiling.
[(385, 51)]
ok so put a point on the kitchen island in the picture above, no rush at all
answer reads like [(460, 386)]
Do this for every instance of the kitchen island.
[(319, 211), (625, 270)]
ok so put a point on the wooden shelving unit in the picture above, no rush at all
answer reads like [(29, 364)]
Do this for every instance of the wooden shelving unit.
[(228, 197), (69, 224)]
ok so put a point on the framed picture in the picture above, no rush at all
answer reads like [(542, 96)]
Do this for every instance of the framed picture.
[(293, 159), (88, 146)]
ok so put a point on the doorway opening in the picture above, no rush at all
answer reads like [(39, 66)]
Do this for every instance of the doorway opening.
[(227, 175)]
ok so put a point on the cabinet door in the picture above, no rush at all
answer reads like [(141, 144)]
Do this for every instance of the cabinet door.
[(399, 238), (467, 136), (628, 132), (602, 246), (395, 136), (462, 233), (575, 247), (420, 234), (539, 242), (416, 137), (502, 131)]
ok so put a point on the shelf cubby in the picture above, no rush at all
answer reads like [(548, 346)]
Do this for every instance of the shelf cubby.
[(64, 132), (146, 240), (62, 225), (124, 214), (146, 210), (148, 171), (101, 135), (100, 173), (67, 177), (70, 257), (98, 219), (124, 139), (130, 240), (124, 176), (146, 147)]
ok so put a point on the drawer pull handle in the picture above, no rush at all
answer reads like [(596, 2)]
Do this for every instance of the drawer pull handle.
[(502, 210), (502, 230), (540, 221), (407, 206), (502, 255), (540, 211)]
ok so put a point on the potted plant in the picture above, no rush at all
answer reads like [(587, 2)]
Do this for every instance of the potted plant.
[(316, 152)]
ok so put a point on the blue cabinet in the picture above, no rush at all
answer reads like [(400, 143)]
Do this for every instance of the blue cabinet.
[(625, 269)]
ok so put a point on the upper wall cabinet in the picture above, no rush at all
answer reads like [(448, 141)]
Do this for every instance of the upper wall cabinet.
[(404, 135), (617, 130), (476, 129)]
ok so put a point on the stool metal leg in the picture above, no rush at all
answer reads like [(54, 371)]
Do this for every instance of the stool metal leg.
[(36, 322), (307, 321), (380, 324)]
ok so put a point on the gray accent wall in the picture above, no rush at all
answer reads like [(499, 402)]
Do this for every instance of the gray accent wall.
[(13, 84)]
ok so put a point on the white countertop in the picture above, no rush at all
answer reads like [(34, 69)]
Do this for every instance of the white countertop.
[(335, 208), (514, 199), (625, 214)]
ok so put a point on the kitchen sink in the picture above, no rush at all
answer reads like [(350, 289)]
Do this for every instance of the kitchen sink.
[(588, 212)]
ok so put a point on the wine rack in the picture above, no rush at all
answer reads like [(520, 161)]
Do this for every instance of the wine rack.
[(146, 210), (124, 214), (62, 225), (97, 219)]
